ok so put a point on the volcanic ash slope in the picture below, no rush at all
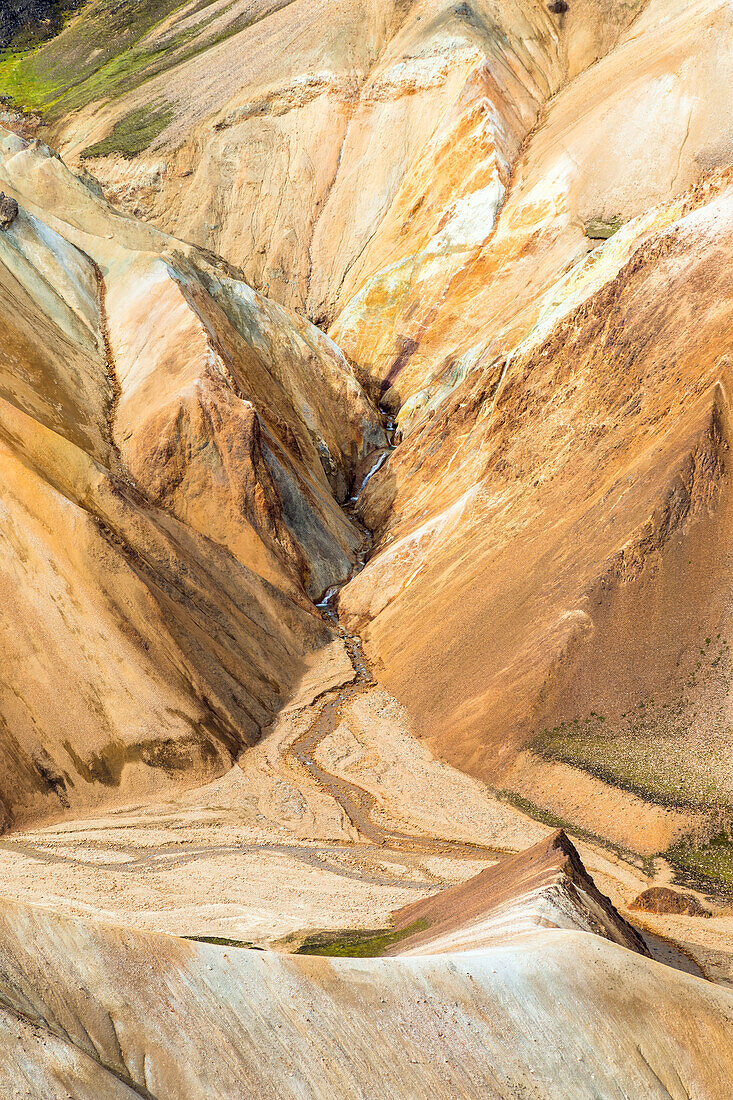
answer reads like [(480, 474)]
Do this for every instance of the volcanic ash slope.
[(174, 450)]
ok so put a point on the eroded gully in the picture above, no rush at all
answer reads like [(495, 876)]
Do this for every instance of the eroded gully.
[(358, 804)]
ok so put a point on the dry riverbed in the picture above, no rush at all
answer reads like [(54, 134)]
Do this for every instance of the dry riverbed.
[(268, 850)]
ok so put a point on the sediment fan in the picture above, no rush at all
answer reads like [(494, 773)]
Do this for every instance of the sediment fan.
[(365, 429)]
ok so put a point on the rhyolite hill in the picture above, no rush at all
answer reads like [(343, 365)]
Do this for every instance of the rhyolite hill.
[(423, 308)]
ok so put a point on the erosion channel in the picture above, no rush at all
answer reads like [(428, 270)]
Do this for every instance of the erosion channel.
[(357, 803)]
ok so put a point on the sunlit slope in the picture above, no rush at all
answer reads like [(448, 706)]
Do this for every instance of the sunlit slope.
[(280, 135), (551, 1010), (637, 128), (174, 446), (550, 590)]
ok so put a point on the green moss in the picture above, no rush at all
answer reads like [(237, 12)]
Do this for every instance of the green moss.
[(600, 229), (21, 84), (96, 55), (654, 749), (537, 813), (357, 943), (134, 133), (706, 864), (103, 53), (119, 75), (660, 770), (224, 941)]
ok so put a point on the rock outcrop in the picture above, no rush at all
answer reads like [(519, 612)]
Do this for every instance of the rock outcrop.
[(545, 886), (174, 451), (661, 899), (8, 210), (26, 21)]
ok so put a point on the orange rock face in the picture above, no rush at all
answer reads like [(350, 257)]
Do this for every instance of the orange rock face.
[(175, 448), (564, 518), (366, 381)]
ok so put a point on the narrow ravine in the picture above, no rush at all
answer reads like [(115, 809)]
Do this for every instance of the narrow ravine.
[(109, 358), (358, 804)]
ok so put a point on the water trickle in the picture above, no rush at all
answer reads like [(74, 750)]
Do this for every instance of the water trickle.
[(357, 803), (327, 603), (382, 457)]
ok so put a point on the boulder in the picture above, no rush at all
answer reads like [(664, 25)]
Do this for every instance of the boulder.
[(660, 899), (8, 210)]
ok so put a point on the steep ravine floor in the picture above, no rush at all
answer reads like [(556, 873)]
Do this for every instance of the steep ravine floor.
[(174, 450), (358, 804)]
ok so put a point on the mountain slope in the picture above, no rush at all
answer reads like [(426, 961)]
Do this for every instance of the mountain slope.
[(597, 455), (550, 1012), (461, 563), (173, 444), (545, 886), (280, 135)]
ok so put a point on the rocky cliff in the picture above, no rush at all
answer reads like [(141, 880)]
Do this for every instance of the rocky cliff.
[(545, 886)]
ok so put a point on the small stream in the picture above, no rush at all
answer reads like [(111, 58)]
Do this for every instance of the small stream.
[(327, 602), (359, 804)]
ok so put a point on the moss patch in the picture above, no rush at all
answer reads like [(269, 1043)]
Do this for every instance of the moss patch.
[(658, 771), (105, 51), (224, 941), (537, 813), (546, 817), (600, 229), (20, 84), (134, 133), (705, 864), (659, 751), (93, 55), (357, 943)]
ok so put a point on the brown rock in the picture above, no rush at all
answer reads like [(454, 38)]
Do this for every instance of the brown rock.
[(660, 899), (545, 886), (173, 448), (494, 571), (8, 210)]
